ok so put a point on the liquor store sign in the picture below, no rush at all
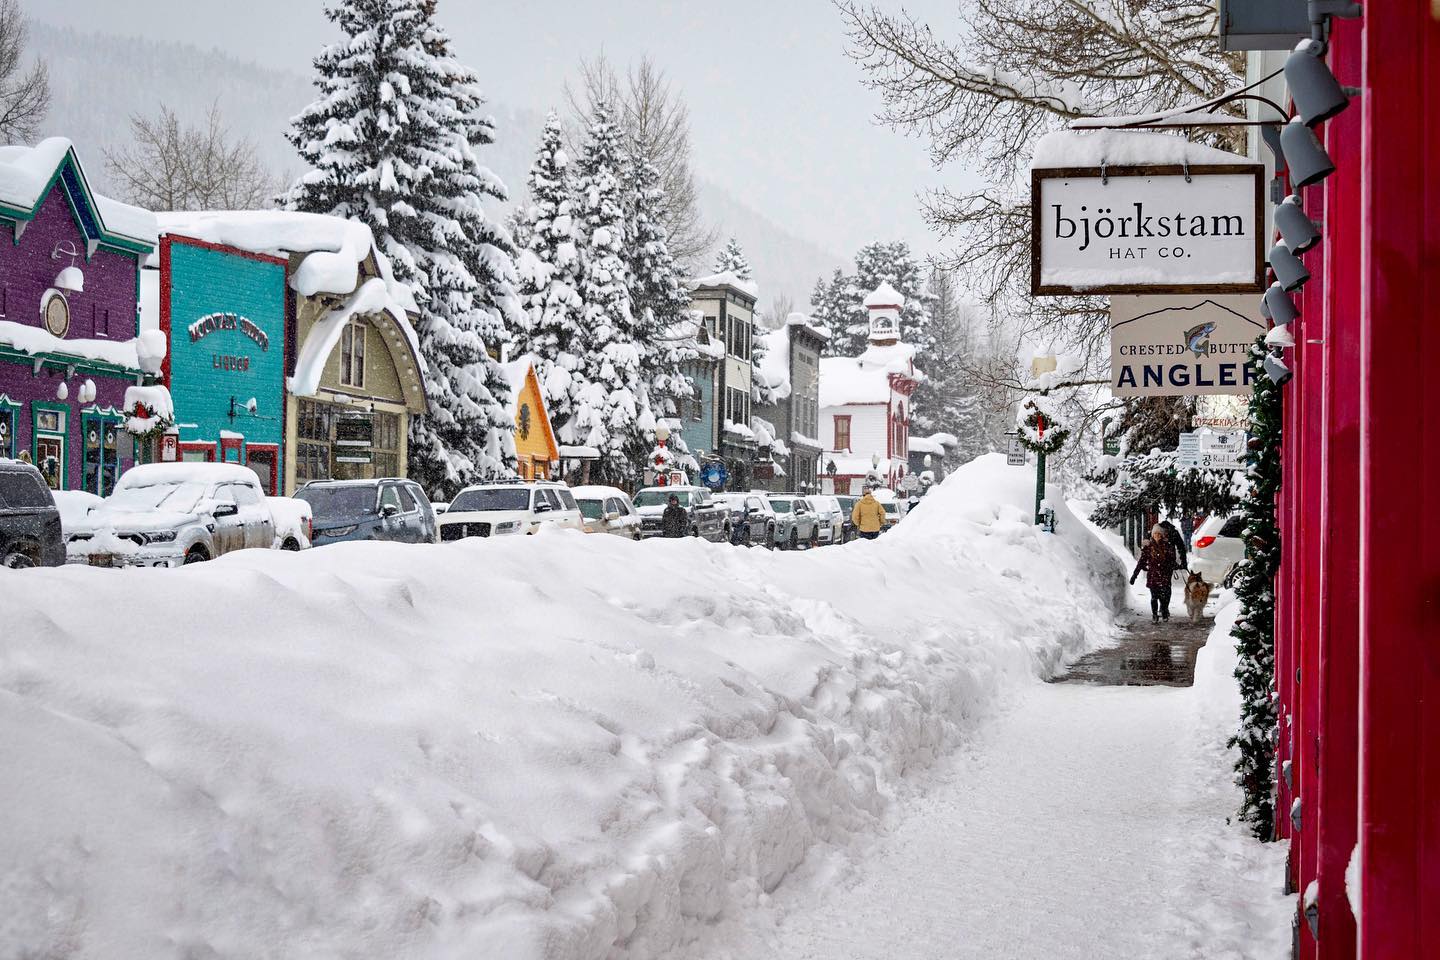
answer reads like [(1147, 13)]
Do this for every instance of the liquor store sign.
[(1147, 229), (1182, 346)]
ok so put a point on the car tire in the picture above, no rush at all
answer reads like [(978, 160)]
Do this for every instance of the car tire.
[(195, 555), (770, 536), (17, 559), (290, 544), (814, 538), (794, 540)]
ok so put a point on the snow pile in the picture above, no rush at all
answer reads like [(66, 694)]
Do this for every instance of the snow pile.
[(772, 370), (564, 746)]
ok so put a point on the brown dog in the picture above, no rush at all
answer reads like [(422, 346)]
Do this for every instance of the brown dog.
[(1197, 591)]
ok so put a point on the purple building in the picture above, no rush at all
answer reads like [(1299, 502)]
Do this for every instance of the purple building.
[(70, 345)]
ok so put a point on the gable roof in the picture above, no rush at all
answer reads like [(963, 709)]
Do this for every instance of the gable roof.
[(27, 175), (518, 374)]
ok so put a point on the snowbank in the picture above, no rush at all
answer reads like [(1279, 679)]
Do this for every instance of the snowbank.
[(1092, 148), (560, 746)]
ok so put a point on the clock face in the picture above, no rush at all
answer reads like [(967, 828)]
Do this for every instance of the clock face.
[(57, 315)]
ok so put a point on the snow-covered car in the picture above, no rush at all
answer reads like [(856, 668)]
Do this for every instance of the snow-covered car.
[(707, 518), (752, 520), (385, 509), (169, 514), (510, 507), (795, 522), (30, 521), (608, 510), (1217, 546), (831, 517), (293, 519)]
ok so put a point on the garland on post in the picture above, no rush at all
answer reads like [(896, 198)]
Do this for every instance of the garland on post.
[(1254, 631)]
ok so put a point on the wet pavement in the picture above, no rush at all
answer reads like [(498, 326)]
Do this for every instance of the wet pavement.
[(1161, 654)]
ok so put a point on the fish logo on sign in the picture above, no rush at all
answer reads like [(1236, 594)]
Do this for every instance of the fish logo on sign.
[(1197, 338)]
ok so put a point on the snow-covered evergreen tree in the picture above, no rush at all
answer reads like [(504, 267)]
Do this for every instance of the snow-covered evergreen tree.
[(658, 300), (610, 410), (390, 141), (550, 273), (830, 305), (731, 259), (948, 401)]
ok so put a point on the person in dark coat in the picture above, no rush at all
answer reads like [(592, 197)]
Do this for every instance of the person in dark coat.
[(1157, 559), (675, 521), (1177, 542)]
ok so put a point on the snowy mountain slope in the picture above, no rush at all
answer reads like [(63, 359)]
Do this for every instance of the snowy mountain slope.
[(561, 747), (98, 81)]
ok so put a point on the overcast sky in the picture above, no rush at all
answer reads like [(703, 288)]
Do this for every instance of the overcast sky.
[(779, 116)]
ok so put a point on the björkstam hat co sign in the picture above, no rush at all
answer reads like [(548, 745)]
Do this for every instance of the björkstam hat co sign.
[(1147, 229), (1182, 346)]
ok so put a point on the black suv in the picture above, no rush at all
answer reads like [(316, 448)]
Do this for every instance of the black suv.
[(29, 523)]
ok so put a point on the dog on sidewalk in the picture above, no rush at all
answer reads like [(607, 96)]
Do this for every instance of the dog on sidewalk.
[(1197, 591)]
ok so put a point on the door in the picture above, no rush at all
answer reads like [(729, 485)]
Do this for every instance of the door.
[(412, 518), (264, 460), (50, 458), (392, 515), (258, 524), (230, 529)]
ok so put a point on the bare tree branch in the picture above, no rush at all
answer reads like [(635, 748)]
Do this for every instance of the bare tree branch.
[(24, 95), (168, 166)]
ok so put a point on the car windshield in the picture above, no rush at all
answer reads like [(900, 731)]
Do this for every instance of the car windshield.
[(180, 497), (1233, 527), (592, 509), (782, 506), (339, 500), (891, 507), (659, 498), (488, 499)]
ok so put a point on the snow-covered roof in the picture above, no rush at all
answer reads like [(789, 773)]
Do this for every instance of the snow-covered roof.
[(926, 445), (593, 492), (145, 352), (885, 296), (1093, 148), (728, 279), (809, 323), (335, 247), (26, 173), (866, 378), (576, 452), (372, 297), (945, 439)]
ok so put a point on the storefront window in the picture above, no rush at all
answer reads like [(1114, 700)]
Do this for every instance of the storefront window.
[(49, 440), (102, 456), (7, 431), (314, 430)]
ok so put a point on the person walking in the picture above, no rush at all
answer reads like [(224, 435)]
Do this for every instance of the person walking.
[(1157, 559), (868, 515), (674, 522), (1177, 543)]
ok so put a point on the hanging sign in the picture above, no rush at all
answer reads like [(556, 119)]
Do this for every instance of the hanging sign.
[(1147, 229), (1208, 449), (1182, 346)]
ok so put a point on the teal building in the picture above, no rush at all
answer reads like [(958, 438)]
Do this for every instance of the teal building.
[(223, 311)]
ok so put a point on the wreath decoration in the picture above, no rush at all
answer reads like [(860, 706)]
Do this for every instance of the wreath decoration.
[(1040, 432)]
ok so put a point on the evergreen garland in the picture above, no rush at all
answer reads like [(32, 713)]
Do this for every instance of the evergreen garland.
[(1254, 631), (1155, 482)]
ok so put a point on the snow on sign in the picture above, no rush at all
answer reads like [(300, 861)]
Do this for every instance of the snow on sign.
[(1182, 346), (1147, 229)]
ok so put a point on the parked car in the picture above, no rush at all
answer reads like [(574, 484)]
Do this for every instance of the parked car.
[(293, 520), (752, 520), (1217, 546), (708, 519), (831, 516), (30, 531), (385, 509), (510, 507), (796, 523), (169, 514), (439, 506), (608, 510), (847, 505)]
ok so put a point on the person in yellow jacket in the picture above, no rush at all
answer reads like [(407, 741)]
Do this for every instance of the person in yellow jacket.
[(868, 516)]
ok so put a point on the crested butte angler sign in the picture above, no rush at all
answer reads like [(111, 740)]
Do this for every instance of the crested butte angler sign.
[(1147, 229), (1182, 346)]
